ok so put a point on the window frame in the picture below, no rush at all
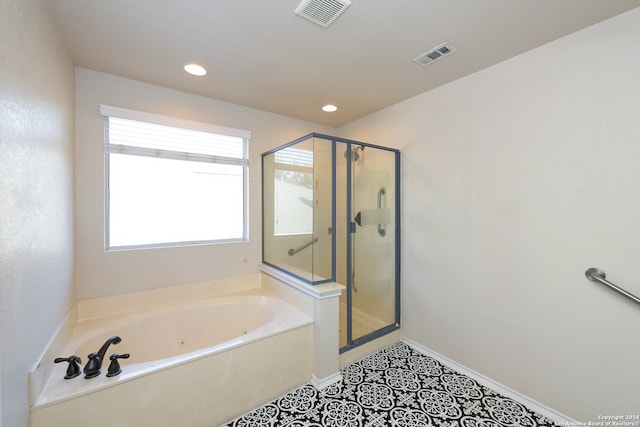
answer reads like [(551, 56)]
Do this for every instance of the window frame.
[(122, 113)]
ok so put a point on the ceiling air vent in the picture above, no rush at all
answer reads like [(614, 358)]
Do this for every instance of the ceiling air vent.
[(435, 54), (322, 12)]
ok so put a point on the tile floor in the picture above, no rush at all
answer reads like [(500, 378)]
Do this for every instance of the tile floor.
[(395, 387)]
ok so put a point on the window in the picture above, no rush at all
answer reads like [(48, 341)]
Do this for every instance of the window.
[(173, 182), (293, 192)]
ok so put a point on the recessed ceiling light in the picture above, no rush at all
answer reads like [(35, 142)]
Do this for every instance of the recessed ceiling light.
[(329, 108), (195, 69)]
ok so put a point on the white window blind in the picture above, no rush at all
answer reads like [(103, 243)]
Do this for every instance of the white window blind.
[(294, 156), (172, 181), (138, 133)]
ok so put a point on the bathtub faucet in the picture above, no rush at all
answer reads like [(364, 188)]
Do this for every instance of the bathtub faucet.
[(92, 368)]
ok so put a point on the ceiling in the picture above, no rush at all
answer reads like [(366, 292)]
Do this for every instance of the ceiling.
[(260, 54)]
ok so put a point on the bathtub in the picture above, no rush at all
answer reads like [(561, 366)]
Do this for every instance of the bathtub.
[(195, 363)]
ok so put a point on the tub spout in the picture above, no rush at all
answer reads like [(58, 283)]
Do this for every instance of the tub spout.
[(92, 368)]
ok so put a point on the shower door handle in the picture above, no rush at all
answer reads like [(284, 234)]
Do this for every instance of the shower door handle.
[(358, 219), (372, 214)]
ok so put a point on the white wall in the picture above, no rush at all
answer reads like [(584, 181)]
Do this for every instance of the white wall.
[(101, 273), (36, 194), (515, 180)]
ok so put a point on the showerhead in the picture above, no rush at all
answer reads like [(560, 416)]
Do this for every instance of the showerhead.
[(355, 156)]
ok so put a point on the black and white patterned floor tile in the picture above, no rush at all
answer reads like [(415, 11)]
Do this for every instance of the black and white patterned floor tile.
[(395, 387)]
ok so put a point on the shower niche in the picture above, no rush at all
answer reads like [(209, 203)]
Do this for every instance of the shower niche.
[(331, 214)]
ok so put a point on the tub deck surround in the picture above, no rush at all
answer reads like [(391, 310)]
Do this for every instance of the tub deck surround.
[(204, 392), (289, 337), (318, 292), (321, 302), (164, 337), (161, 297), (215, 345), (122, 304)]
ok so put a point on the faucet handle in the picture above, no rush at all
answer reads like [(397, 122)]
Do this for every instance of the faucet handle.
[(114, 366), (73, 370)]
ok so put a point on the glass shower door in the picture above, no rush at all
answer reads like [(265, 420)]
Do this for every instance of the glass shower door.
[(372, 268)]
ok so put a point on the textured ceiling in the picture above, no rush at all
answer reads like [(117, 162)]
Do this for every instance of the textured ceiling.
[(260, 54)]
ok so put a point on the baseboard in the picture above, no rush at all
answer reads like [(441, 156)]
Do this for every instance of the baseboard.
[(494, 385), (319, 384)]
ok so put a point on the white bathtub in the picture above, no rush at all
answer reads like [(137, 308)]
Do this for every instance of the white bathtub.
[(193, 363)]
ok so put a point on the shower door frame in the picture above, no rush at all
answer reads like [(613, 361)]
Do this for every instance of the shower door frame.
[(350, 230)]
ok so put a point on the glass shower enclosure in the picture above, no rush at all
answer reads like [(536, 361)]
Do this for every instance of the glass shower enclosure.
[(331, 212)]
